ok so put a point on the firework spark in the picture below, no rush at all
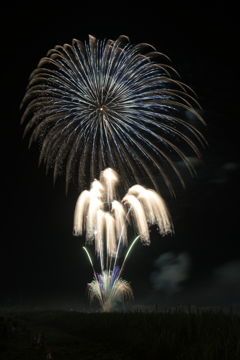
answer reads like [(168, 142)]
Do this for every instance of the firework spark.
[(108, 104)]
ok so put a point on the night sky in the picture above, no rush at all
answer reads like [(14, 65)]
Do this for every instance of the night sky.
[(42, 263)]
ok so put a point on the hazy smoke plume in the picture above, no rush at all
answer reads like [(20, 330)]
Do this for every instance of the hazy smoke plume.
[(171, 271)]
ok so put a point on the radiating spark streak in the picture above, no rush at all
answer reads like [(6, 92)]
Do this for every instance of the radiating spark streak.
[(109, 178), (110, 235), (120, 237), (80, 210), (89, 259), (139, 217), (121, 217), (127, 254)]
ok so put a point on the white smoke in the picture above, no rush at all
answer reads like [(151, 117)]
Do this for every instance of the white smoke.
[(171, 271)]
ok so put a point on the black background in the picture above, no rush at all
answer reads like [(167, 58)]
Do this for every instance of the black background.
[(42, 264)]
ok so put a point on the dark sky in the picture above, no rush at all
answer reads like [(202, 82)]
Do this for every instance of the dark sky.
[(42, 264)]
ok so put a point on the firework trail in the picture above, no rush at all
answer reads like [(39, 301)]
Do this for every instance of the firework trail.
[(108, 104), (108, 230)]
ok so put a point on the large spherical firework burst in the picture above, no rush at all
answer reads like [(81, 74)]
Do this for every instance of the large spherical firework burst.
[(108, 104)]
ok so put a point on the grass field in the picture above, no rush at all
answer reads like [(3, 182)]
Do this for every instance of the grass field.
[(168, 335)]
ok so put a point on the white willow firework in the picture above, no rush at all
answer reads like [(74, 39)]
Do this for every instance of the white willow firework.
[(108, 104), (102, 217)]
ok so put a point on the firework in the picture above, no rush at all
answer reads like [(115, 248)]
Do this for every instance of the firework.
[(104, 220), (108, 288), (99, 219), (108, 104)]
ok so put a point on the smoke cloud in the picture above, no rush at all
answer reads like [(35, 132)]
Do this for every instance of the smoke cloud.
[(171, 271)]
